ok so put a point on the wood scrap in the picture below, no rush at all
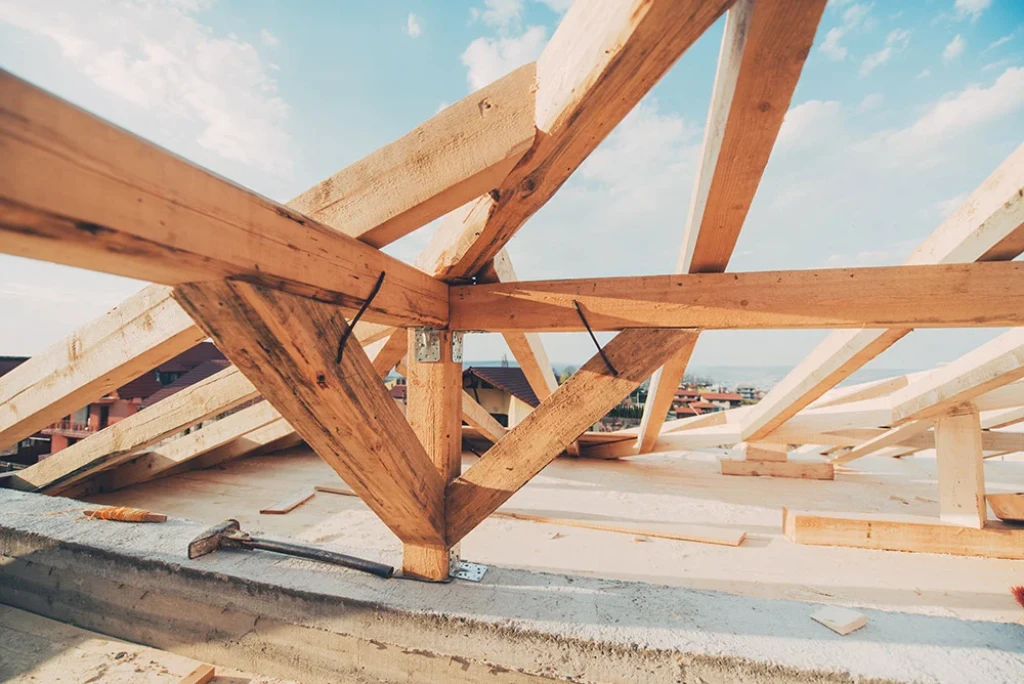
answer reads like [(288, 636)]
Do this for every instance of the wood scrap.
[(677, 532), (201, 675), (289, 504), (842, 621), (124, 514), (1008, 507), (660, 530)]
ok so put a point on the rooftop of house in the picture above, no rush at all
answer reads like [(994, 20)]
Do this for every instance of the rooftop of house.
[(197, 374), (148, 384), (9, 363), (721, 396), (508, 378)]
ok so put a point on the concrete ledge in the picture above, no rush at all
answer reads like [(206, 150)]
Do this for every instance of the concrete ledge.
[(300, 620)]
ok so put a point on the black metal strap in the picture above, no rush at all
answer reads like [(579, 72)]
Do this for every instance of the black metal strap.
[(596, 343), (362, 310)]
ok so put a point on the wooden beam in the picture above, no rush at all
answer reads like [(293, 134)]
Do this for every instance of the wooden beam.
[(115, 444), (461, 153), (993, 215), (904, 533), (434, 410), (764, 46), (960, 465), (891, 437), (477, 416), (385, 354), (288, 346), (184, 449), (603, 58), (1001, 418), (589, 394), (131, 339), (995, 364), (804, 470), (864, 390), (951, 295), (76, 190)]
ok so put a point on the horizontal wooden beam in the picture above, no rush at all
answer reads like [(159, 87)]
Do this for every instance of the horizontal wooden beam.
[(463, 152), (288, 345), (77, 190), (115, 444), (134, 337), (903, 533), (953, 295)]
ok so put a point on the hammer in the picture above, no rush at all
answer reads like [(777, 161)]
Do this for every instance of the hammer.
[(229, 534)]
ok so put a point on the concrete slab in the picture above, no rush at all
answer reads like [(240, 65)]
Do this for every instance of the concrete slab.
[(300, 620)]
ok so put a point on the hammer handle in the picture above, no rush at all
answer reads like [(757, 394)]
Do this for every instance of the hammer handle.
[(323, 555)]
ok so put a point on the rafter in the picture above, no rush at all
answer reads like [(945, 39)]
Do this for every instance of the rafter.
[(134, 337), (116, 444), (952, 295), (986, 224), (602, 59)]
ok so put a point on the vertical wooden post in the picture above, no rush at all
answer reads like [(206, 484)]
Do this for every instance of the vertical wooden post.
[(434, 411), (959, 460)]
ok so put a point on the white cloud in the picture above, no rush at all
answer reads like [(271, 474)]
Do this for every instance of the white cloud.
[(891, 254), (413, 27), (970, 8), (559, 6), (503, 15), (953, 49), (992, 66), (856, 16), (947, 207), (998, 42), (811, 122), (895, 42), (488, 59), (160, 58), (960, 112), (924, 73), (871, 101), (269, 39), (831, 47)]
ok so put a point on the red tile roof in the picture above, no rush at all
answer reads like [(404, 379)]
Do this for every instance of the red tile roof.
[(721, 396), (508, 378), (200, 372), (400, 392)]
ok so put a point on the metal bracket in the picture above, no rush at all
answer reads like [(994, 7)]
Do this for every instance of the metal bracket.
[(457, 346), (428, 345), (464, 570)]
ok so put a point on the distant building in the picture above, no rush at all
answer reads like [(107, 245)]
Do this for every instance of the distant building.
[(185, 369), (722, 400), (28, 450), (748, 392), (503, 391)]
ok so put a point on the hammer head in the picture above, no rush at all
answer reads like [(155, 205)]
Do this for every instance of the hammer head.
[(212, 538)]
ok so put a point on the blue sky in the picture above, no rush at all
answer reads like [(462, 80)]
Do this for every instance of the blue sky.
[(903, 109)]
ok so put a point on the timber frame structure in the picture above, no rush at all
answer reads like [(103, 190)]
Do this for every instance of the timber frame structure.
[(277, 287)]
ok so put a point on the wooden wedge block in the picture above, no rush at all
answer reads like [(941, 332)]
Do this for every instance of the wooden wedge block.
[(289, 504), (201, 675), (842, 621), (795, 469)]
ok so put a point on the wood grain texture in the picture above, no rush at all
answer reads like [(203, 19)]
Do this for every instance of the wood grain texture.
[(661, 394), (959, 464), (463, 152), (603, 58), (130, 208), (115, 444), (434, 410), (287, 345), (131, 339), (590, 393), (995, 364), (951, 295), (992, 214), (904, 533), (795, 469), (185, 448)]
